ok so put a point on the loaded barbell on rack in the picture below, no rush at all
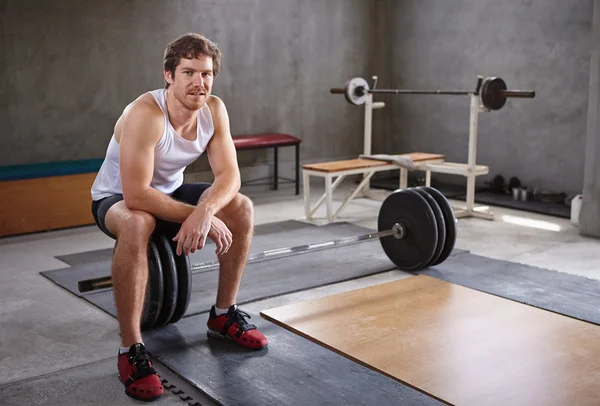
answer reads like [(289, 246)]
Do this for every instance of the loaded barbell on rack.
[(493, 92), (416, 229)]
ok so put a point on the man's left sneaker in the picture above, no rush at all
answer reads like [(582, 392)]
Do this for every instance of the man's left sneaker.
[(233, 326)]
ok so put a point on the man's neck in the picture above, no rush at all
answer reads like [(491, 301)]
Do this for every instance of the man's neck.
[(179, 116)]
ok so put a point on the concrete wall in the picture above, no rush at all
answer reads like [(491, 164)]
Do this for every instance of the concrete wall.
[(542, 45), (590, 210), (70, 67)]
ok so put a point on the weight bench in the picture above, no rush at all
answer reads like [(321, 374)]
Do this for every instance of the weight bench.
[(338, 170), (271, 140)]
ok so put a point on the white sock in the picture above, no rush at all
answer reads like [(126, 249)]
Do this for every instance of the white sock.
[(124, 350), (220, 311)]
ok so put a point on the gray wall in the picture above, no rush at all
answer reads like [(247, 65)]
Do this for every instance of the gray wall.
[(542, 45), (70, 67), (590, 210)]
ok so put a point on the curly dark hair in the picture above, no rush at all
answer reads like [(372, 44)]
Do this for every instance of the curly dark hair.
[(191, 46)]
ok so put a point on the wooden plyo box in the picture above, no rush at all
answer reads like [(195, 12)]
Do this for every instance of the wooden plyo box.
[(456, 344)]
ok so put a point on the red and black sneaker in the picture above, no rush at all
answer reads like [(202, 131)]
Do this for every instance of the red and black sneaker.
[(138, 375), (233, 326)]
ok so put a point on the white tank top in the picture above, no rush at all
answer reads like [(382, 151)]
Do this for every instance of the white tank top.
[(172, 154)]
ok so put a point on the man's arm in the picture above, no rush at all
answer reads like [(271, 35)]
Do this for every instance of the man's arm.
[(222, 158), (140, 131)]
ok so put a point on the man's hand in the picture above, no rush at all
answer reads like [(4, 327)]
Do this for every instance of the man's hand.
[(221, 235), (193, 232), (199, 225)]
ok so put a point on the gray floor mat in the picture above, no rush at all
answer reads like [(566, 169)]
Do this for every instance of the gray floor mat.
[(281, 276), (94, 384), (571, 295), (291, 371), (267, 236), (264, 279)]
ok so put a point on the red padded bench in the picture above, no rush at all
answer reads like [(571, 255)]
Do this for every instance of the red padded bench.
[(271, 140)]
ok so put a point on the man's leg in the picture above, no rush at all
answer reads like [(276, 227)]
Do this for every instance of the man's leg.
[(132, 230), (238, 216), (129, 267), (226, 320)]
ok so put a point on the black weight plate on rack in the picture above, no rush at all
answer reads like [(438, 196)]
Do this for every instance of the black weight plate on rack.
[(450, 221), (439, 220), (170, 282), (492, 95), (416, 248)]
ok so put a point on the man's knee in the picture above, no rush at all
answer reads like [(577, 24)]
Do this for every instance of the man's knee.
[(244, 205), (140, 223), (240, 213), (133, 226)]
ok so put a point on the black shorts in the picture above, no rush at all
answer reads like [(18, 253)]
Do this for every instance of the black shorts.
[(188, 193)]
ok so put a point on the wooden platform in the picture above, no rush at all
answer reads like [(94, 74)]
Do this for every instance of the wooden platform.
[(336, 166), (459, 345), (48, 203)]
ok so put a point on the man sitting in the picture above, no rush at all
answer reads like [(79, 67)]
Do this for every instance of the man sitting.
[(140, 189)]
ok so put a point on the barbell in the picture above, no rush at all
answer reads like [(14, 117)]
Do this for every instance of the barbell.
[(416, 228), (492, 91)]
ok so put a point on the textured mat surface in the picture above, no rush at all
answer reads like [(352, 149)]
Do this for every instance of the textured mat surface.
[(291, 371), (96, 264), (571, 295), (262, 279), (94, 384), (280, 276)]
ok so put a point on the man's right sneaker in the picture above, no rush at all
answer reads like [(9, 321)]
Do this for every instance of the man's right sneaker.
[(138, 375)]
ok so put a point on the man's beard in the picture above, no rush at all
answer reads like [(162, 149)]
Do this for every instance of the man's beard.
[(182, 96)]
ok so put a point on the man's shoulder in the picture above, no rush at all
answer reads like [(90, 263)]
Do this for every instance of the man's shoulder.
[(145, 106), (215, 103), (217, 108)]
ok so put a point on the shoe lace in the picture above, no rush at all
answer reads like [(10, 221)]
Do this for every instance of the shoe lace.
[(239, 317), (140, 361)]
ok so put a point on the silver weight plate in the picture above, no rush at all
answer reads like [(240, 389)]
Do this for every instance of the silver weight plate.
[(356, 91)]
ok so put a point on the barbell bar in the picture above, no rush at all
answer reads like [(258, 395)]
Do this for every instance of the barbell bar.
[(397, 231), (409, 223), (493, 92)]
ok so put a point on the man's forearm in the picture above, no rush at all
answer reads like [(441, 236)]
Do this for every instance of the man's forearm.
[(220, 193), (160, 206)]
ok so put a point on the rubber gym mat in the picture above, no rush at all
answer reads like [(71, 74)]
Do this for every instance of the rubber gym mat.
[(276, 277), (267, 278), (267, 236), (290, 371), (82, 258), (571, 295), (95, 383)]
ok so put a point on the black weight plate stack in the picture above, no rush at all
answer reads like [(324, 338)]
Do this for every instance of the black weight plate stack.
[(184, 283), (409, 209), (450, 222), (170, 282), (439, 220), (154, 289)]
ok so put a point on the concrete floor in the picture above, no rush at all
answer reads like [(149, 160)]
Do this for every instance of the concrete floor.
[(46, 329)]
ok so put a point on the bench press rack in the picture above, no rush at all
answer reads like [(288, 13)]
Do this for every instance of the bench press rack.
[(430, 163)]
